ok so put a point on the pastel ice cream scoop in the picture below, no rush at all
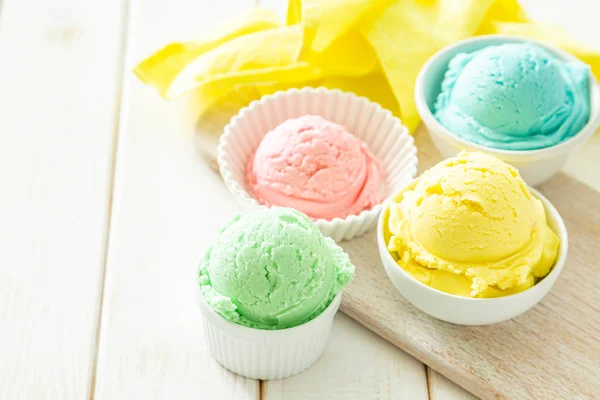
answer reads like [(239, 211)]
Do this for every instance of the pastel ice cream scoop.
[(315, 166), (471, 227), (514, 97), (273, 269)]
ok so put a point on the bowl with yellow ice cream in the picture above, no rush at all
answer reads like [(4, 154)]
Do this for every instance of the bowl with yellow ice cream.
[(469, 242)]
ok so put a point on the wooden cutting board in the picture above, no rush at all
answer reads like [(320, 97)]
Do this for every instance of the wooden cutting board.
[(551, 352)]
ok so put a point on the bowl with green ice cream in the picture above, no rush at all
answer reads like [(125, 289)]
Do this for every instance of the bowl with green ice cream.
[(525, 102), (268, 289)]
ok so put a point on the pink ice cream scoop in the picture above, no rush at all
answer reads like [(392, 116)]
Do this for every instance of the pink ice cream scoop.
[(317, 167)]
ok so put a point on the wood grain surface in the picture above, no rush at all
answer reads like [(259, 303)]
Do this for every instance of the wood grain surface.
[(379, 370), (60, 73), (100, 239), (550, 352)]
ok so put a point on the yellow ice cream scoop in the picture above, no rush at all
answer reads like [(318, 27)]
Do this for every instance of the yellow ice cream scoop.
[(469, 226)]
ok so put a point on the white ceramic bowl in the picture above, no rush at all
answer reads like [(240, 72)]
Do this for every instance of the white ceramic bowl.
[(266, 354), (467, 311), (535, 166), (385, 135)]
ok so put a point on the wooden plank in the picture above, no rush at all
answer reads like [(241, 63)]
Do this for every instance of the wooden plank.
[(583, 164), (168, 206), (357, 364), (441, 388), (60, 74), (549, 352)]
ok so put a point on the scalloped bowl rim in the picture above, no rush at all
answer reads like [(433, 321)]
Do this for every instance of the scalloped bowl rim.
[(224, 166)]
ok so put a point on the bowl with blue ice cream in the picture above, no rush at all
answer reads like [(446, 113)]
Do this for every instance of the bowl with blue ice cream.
[(525, 102)]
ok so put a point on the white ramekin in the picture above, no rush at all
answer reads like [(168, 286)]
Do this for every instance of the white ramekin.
[(266, 354), (385, 135), (467, 311), (535, 166)]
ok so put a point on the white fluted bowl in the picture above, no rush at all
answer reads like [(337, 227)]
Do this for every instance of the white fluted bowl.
[(385, 135), (264, 354)]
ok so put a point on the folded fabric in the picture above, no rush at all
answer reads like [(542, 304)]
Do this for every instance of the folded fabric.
[(374, 48)]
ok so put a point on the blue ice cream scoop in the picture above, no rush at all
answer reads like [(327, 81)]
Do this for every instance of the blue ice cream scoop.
[(514, 97)]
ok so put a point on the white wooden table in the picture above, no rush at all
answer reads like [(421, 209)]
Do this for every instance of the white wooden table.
[(106, 207)]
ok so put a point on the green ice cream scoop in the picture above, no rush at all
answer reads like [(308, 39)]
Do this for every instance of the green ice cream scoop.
[(514, 97), (272, 269)]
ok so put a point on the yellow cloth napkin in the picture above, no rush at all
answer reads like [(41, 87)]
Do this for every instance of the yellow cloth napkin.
[(374, 48)]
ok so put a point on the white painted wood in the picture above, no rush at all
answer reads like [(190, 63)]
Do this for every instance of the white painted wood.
[(441, 388), (584, 164), (357, 364), (168, 206), (60, 70), (60, 67), (580, 20)]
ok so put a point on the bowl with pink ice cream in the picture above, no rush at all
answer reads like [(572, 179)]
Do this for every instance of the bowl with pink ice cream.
[(332, 155)]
